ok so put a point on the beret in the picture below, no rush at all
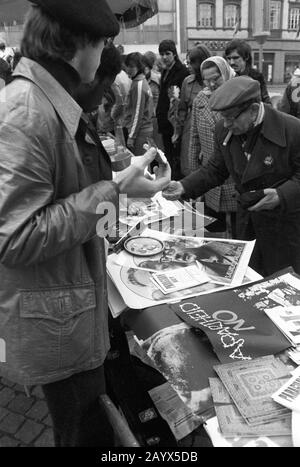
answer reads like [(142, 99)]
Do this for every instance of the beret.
[(235, 92), (88, 16)]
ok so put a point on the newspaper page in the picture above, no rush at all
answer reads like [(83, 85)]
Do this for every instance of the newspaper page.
[(287, 319), (133, 210), (283, 290), (181, 420), (289, 394)]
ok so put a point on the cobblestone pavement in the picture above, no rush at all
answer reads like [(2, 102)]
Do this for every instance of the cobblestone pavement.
[(24, 421)]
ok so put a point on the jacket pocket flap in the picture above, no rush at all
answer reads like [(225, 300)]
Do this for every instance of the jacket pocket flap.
[(57, 304)]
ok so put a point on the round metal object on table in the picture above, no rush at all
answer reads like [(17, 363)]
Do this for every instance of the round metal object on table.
[(144, 246)]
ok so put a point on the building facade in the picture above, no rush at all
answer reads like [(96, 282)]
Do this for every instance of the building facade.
[(212, 22), (215, 22)]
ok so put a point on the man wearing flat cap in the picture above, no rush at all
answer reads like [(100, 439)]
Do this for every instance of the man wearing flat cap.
[(259, 147), (53, 297)]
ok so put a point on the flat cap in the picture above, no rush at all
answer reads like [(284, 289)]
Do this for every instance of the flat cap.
[(83, 16), (235, 92)]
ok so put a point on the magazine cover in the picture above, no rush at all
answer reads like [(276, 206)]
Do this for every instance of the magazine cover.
[(175, 352), (237, 328), (224, 261), (287, 319)]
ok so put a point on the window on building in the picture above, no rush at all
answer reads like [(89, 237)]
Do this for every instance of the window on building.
[(275, 15), (232, 14), (206, 14), (294, 18)]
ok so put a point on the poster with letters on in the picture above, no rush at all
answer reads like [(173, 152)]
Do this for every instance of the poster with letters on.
[(234, 322)]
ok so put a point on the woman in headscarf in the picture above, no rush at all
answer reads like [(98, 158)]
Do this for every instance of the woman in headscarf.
[(221, 201)]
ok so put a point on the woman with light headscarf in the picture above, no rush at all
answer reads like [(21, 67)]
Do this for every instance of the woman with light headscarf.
[(221, 201)]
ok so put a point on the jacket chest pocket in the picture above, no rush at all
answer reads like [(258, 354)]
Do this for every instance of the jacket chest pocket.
[(56, 327)]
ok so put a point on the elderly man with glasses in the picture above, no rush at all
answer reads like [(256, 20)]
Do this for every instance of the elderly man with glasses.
[(259, 147)]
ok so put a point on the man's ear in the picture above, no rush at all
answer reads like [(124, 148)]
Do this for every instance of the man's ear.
[(254, 108)]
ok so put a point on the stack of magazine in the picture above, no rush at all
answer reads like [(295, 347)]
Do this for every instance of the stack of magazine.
[(243, 400), (287, 319)]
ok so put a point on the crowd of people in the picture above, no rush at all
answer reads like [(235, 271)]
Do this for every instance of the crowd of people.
[(67, 87)]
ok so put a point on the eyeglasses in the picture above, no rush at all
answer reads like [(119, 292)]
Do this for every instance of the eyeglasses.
[(216, 80), (231, 119)]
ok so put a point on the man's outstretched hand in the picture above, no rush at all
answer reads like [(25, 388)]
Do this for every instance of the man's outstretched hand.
[(174, 191), (136, 184)]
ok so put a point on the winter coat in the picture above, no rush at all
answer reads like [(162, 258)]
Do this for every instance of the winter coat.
[(201, 149), (290, 102), (174, 77), (258, 76), (275, 159)]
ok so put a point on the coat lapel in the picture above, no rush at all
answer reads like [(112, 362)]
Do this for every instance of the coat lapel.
[(239, 160), (255, 167)]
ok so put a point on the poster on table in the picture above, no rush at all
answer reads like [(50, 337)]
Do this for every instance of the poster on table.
[(224, 261), (235, 322)]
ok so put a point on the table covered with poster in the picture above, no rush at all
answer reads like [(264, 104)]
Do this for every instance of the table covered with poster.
[(187, 337)]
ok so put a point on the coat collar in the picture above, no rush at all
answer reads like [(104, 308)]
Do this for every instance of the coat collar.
[(273, 127), (176, 67), (66, 107)]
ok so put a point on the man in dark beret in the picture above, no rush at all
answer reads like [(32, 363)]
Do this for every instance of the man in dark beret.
[(259, 147), (53, 297)]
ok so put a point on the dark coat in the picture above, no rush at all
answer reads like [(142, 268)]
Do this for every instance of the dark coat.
[(254, 74), (174, 78), (290, 102), (275, 158)]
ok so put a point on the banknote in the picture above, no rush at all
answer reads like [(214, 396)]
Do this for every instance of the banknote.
[(251, 385)]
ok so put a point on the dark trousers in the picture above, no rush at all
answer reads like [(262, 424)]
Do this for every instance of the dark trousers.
[(78, 419), (172, 153)]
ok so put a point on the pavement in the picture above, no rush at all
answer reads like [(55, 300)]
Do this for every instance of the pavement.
[(24, 421)]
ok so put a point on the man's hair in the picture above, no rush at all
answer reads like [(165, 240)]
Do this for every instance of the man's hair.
[(44, 37), (243, 49), (168, 46), (136, 59), (147, 62), (2, 45), (198, 54), (111, 62), (150, 58)]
